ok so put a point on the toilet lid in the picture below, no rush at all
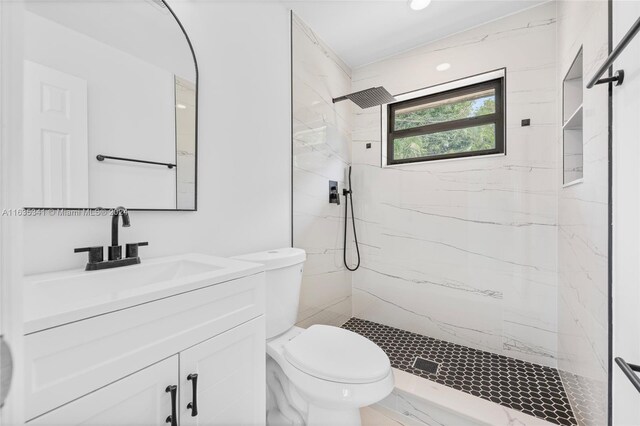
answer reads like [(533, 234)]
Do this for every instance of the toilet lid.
[(338, 355)]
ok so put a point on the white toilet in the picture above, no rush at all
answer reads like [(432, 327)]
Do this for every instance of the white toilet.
[(319, 376)]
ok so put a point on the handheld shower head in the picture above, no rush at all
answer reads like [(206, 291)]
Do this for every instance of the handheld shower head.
[(368, 98), (348, 198)]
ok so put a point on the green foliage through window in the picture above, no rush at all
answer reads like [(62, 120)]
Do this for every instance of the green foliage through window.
[(439, 112), (477, 138)]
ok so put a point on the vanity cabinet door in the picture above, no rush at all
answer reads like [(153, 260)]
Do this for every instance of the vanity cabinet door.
[(230, 387), (140, 399)]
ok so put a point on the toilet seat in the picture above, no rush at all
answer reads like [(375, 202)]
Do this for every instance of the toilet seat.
[(337, 355), (323, 392)]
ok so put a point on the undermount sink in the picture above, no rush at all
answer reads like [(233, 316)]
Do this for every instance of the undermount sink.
[(61, 297)]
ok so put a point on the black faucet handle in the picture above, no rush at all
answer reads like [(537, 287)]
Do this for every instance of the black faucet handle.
[(132, 248), (96, 253), (115, 252)]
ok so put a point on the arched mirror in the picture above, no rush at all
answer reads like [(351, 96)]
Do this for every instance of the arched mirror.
[(109, 106)]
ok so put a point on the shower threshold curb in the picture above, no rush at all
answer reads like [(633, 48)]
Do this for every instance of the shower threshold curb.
[(418, 401)]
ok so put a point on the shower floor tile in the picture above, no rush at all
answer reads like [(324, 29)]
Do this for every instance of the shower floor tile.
[(523, 386)]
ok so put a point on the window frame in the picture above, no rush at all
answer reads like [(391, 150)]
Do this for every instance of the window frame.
[(497, 118)]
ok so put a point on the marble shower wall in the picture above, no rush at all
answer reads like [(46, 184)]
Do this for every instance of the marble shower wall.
[(582, 217), (321, 152), (465, 250)]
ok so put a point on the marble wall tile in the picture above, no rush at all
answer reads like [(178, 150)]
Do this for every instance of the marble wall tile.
[(465, 250), (583, 216), (321, 152)]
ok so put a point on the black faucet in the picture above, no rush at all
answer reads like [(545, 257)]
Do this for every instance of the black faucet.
[(96, 261), (115, 249)]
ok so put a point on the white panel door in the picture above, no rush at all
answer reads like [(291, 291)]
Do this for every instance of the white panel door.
[(56, 159), (626, 211), (230, 372), (140, 399)]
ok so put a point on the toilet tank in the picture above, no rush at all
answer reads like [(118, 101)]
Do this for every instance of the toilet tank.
[(283, 279)]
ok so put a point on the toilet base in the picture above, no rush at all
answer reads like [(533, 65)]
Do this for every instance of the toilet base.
[(286, 407), (295, 398), (319, 416)]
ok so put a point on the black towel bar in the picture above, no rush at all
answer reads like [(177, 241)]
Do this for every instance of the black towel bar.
[(101, 157), (630, 371), (618, 76)]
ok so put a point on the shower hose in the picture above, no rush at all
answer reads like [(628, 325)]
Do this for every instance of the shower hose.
[(348, 199)]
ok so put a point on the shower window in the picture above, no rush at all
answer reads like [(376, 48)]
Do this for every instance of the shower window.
[(463, 122)]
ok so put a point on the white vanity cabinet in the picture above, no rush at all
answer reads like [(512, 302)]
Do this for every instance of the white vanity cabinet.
[(138, 399), (229, 388), (231, 381), (114, 368)]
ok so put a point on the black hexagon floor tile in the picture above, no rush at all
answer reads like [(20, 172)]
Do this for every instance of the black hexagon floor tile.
[(588, 398), (523, 386)]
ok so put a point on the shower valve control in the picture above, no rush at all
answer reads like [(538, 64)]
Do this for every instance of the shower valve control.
[(334, 196)]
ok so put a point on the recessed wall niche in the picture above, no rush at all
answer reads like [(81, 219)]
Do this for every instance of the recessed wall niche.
[(572, 117)]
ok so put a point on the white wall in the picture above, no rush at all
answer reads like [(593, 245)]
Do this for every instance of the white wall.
[(582, 221), (626, 211), (321, 152), (465, 250), (243, 147)]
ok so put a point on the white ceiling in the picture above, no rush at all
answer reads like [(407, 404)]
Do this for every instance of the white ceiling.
[(365, 31)]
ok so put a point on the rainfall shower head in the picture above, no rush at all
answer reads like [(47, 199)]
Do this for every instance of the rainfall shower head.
[(368, 98)]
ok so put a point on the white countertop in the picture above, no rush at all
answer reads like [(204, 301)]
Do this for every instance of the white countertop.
[(57, 298)]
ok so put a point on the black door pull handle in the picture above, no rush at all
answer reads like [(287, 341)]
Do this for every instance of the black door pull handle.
[(173, 418), (193, 405)]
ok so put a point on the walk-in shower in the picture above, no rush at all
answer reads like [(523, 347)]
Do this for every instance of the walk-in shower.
[(482, 274)]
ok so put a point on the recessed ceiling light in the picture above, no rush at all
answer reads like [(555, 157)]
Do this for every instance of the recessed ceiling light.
[(419, 4), (181, 106), (444, 66)]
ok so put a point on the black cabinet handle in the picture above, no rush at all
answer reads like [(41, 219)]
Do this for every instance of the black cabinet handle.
[(193, 405), (173, 418)]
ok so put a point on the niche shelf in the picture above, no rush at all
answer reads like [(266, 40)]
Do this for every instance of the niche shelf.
[(572, 119)]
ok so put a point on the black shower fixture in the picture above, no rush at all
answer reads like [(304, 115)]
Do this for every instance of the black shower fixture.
[(368, 98)]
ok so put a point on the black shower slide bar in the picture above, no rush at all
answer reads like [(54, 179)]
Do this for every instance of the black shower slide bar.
[(618, 76), (101, 157)]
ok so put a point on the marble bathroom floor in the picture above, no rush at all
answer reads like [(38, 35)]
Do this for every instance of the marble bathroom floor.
[(371, 416), (528, 388)]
